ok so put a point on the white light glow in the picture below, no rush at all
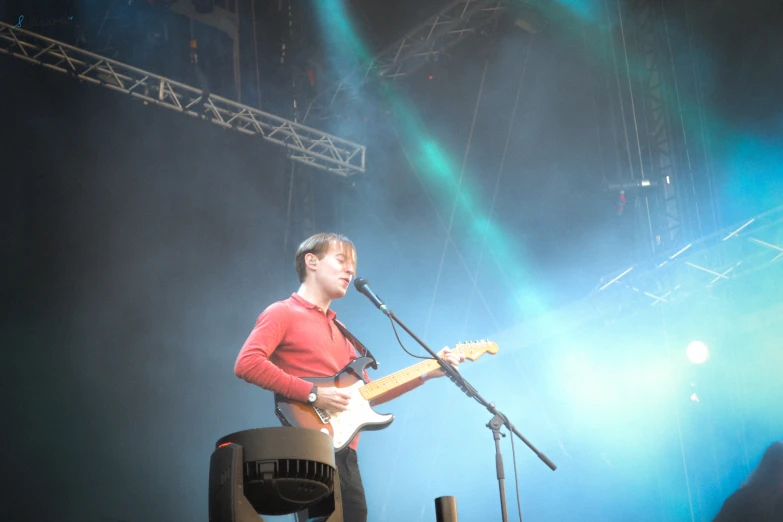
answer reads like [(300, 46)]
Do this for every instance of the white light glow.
[(697, 352)]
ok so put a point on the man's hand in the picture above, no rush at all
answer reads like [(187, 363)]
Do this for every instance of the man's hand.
[(450, 357), (332, 399)]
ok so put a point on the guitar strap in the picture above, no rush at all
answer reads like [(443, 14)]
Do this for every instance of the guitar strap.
[(357, 344)]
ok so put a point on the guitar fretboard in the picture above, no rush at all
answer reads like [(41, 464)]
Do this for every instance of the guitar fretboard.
[(377, 388)]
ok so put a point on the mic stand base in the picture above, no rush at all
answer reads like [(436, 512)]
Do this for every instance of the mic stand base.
[(495, 425), (497, 421)]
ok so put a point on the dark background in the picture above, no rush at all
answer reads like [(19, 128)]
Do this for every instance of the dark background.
[(139, 245)]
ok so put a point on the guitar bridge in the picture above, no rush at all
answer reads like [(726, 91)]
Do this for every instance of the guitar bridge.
[(323, 415)]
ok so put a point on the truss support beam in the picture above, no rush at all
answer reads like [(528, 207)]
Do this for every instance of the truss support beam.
[(701, 266), (661, 155), (304, 144), (662, 102), (429, 42), (755, 247)]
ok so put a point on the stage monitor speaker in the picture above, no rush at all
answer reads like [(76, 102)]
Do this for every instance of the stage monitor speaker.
[(274, 471)]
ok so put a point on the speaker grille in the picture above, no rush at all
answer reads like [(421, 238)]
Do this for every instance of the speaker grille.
[(290, 469)]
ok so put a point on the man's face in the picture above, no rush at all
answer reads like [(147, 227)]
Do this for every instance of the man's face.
[(335, 270)]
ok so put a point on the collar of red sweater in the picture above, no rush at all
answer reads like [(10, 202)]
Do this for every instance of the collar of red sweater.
[(330, 314)]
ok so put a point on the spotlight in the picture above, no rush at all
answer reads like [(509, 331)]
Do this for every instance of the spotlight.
[(697, 352), (632, 185)]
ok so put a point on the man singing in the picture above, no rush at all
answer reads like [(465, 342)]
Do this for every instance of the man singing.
[(299, 338)]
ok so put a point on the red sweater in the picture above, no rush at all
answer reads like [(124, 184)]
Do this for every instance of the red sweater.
[(294, 339)]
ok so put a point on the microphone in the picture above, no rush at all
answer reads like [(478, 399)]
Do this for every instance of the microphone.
[(363, 286)]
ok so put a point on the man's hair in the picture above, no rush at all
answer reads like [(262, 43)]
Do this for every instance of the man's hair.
[(318, 245)]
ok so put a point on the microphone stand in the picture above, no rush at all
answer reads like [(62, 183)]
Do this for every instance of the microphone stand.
[(498, 420)]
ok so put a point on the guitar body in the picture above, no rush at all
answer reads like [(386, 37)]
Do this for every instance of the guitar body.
[(342, 426), (359, 416)]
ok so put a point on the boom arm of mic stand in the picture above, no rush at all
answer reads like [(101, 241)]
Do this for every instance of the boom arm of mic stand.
[(512, 429), (460, 381)]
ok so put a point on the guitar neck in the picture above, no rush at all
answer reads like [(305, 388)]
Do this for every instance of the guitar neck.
[(386, 384)]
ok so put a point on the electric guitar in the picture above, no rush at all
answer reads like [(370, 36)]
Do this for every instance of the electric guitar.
[(359, 416)]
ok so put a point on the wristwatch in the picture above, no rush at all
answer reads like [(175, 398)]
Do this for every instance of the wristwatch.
[(313, 395)]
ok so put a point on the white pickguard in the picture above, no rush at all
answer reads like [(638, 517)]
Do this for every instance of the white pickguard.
[(359, 413)]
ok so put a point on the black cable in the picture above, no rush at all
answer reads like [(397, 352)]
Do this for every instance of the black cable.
[(394, 327)]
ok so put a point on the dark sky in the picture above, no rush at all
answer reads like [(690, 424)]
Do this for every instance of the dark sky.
[(140, 245)]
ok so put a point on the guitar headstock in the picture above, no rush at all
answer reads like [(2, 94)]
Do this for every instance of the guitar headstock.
[(474, 350)]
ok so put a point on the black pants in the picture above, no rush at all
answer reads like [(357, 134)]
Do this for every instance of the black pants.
[(351, 488)]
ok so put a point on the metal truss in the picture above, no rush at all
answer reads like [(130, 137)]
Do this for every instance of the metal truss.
[(671, 152), (432, 39), (429, 42), (304, 144), (705, 265), (720, 266), (661, 152)]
